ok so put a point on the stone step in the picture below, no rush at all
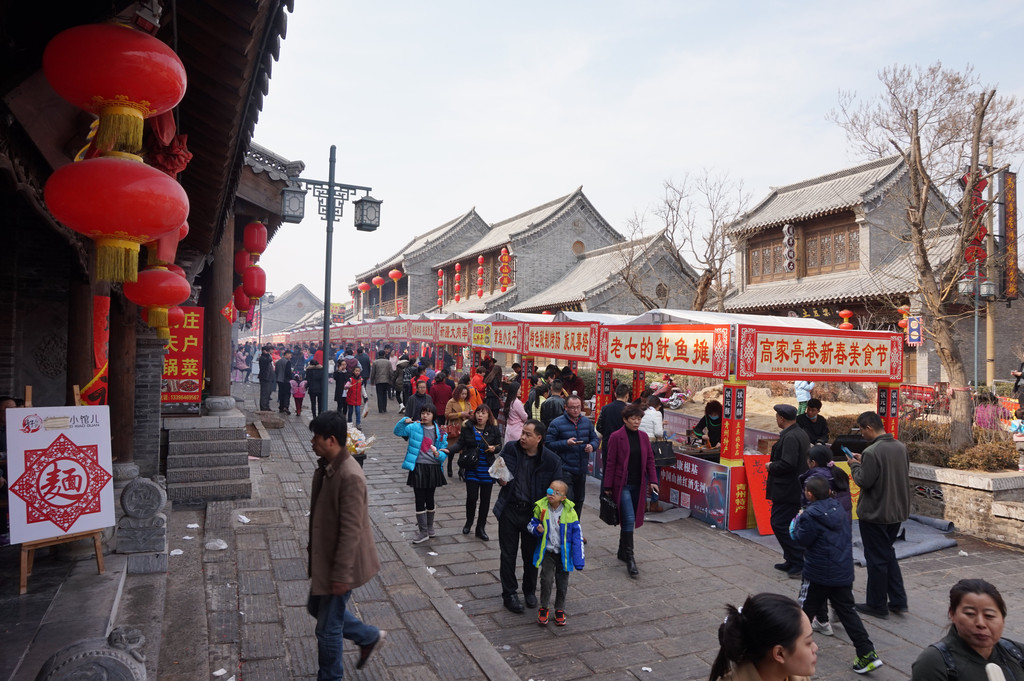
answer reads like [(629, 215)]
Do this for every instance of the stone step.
[(210, 490), (205, 434), (235, 458), (208, 447), (207, 474)]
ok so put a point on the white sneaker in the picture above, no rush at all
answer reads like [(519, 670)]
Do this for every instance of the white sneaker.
[(822, 628)]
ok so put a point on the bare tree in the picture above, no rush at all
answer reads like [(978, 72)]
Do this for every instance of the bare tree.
[(936, 118), (693, 214)]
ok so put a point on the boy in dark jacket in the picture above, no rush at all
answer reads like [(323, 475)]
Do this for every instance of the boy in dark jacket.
[(823, 529)]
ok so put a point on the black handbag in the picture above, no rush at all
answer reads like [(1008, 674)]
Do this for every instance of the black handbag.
[(609, 511), (664, 454)]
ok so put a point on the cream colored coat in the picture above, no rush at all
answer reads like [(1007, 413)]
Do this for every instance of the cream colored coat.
[(341, 545)]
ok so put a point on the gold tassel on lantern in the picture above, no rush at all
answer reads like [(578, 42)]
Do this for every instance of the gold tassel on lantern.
[(163, 333), (121, 127), (117, 260), (157, 319)]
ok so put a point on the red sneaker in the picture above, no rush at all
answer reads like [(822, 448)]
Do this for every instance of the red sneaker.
[(560, 618), (542, 617)]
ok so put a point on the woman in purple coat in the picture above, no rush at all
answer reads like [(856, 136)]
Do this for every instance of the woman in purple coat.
[(628, 474)]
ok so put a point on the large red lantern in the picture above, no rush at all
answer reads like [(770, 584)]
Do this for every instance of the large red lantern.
[(242, 302), (118, 73), (254, 238), (120, 204), (395, 275), (363, 286), (378, 281), (157, 289), (175, 317), (242, 261), (254, 282), (846, 325), (480, 260)]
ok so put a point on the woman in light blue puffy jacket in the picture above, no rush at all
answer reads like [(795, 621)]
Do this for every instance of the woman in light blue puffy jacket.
[(427, 450)]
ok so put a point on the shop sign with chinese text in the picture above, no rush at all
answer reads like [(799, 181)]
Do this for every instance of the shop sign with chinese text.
[(183, 364), (59, 471), (379, 330), (699, 485), (398, 331), (506, 336), (454, 331), (422, 331), (562, 341), (780, 353), (363, 331), (694, 350), (482, 336)]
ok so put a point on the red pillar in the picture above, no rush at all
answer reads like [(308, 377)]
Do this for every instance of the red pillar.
[(603, 390), (734, 406), (529, 368), (639, 383)]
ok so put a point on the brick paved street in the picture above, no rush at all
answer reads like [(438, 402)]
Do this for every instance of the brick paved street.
[(440, 600)]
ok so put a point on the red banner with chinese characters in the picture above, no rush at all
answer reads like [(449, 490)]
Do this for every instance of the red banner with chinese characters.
[(780, 353), (183, 363), (454, 331), (757, 483), (693, 350), (561, 341), (739, 498)]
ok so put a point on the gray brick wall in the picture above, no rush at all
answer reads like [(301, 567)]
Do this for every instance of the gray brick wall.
[(149, 362), (419, 267)]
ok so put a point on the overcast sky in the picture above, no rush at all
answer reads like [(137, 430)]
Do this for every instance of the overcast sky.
[(444, 106)]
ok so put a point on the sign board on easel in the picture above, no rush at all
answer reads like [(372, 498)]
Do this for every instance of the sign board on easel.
[(60, 471)]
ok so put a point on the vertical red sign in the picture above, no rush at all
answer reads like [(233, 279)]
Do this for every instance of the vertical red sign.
[(183, 363)]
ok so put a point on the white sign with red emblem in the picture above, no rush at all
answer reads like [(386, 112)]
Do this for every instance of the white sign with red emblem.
[(60, 471)]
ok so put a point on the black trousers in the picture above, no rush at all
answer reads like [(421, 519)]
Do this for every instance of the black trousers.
[(577, 489), (382, 397), (512, 537), (314, 403), (782, 514), (841, 598), (474, 490), (284, 395), (266, 390), (885, 580)]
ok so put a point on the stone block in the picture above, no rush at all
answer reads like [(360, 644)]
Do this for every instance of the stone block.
[(207, 447), (142, 535), (177, 475), (147, 563), (202, 435), (202, 492), (238, 458)]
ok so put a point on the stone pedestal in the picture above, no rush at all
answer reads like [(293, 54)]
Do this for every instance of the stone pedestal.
[(142, 531), (116, 658)]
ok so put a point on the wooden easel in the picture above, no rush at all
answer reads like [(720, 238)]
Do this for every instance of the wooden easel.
[(28, 552)]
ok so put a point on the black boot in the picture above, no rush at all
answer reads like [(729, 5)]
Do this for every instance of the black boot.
[(627, 549), (621, 554), (470, 512), (480, 523)]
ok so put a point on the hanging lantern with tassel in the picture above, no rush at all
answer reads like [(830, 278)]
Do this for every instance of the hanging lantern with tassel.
[(120, 203), (254, 283), (242, 261), (846, 325), (440, 288), (158, 289), (254, 239), (504, 270), (164, 250), (242, 302), (118, 73)]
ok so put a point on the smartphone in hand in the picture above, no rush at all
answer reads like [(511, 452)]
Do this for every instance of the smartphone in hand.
[(849, 454)]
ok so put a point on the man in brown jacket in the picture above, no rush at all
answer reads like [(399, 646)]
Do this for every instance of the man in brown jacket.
[(342, 554)]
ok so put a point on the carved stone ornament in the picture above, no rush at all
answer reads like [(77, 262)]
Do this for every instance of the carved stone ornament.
[(142, 498), (118, 657)]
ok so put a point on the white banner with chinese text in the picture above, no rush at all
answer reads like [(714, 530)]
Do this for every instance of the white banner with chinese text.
[(780, 353)]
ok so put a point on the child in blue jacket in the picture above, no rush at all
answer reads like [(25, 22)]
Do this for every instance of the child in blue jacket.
[(427, 450), (560, 549), (823, 529)]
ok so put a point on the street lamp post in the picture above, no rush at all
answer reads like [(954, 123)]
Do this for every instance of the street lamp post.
[(982, 290), (331, 197)]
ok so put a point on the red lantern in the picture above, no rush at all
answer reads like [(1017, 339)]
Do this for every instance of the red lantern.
[(242, 261), (120, 204), (439, 302), (440, 273), (177, 270), (458, 267), (378, 281), (846, 325), (254, 238), (458, 288), (118, 73), (254, 282), (440, 292), (395, 275), (242, 302), (157, 289), (903, 324), (175, 317), (480, 260), (363, 286)]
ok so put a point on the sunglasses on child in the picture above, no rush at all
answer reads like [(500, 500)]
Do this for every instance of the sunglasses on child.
[(553, 493)]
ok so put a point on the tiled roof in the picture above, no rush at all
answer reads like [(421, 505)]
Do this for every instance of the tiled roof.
[(421, 241), (896, 276), (597, 268), (502, 232), (823, 195), (472, 303)]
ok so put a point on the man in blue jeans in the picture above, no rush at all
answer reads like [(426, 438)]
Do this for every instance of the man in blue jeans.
[(342, 553)]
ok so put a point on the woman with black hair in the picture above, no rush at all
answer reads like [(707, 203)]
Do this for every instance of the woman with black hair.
[(540, 395), (768, 638), (977, 615), (479, 442), (515, 413)]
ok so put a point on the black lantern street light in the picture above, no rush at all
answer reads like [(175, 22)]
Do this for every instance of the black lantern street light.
[(331, 197), (979, 289)]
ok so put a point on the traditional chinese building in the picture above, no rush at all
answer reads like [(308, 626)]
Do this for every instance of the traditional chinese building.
[(51, 299), (813, 248)]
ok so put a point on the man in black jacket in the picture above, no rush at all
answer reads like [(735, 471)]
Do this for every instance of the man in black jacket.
[(266, 377), (813, 423), (283, 371), (554, 406), (788, 461), (610, 418), (533, 467)]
